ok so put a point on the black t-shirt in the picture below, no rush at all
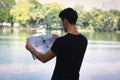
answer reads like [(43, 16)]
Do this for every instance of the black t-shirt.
[(69, 51)]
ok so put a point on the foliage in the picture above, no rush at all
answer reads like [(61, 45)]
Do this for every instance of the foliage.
[(81, 17), (98, 20), (33, 12), (51, 12), (5, 7), (20, 12)]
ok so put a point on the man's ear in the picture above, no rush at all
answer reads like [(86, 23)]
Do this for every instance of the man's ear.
[(65, 21)]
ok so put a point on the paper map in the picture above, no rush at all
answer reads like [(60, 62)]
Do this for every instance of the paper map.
[(42, 43)]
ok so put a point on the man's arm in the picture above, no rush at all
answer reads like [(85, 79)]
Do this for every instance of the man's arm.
[(43, 57)]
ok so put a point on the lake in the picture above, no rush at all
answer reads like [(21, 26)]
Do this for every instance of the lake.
[(101, 61)]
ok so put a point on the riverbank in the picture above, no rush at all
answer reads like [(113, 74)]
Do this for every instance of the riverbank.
[(28, 28)]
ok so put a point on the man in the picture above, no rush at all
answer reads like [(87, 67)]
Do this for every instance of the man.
[(69, 49)]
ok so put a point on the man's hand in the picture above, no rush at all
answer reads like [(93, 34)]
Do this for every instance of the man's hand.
[(28, 45), (55, 35)]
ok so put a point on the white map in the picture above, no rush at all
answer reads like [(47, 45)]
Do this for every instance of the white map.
[(42, 43)]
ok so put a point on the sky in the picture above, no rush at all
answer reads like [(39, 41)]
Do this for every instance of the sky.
[(88, 4)]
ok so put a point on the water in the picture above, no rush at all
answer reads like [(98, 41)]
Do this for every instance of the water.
[(16, 63), (101, 61)]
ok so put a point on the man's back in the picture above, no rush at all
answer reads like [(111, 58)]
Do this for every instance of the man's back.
[(70, 51)]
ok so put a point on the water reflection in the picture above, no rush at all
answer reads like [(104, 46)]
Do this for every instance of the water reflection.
[(104, 36), (101, 62)]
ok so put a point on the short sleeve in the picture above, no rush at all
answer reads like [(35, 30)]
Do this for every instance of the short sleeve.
[(56, 46)]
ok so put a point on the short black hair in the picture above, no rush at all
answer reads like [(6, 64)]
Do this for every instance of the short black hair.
[(69, 14)]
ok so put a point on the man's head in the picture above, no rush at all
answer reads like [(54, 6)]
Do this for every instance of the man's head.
[(69, 14)]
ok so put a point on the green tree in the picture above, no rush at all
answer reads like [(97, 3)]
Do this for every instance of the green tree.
[(96, 19), (111, 19), (89, 19), (80, 10), (20, 11), (50, 15), (114, 19), (5, 7), (118, 24), (35, 9)]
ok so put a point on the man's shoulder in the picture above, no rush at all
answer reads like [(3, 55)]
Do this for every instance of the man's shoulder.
[(83, 36), (61, 38)]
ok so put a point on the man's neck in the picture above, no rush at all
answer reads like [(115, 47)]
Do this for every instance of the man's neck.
[(72, 30)]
